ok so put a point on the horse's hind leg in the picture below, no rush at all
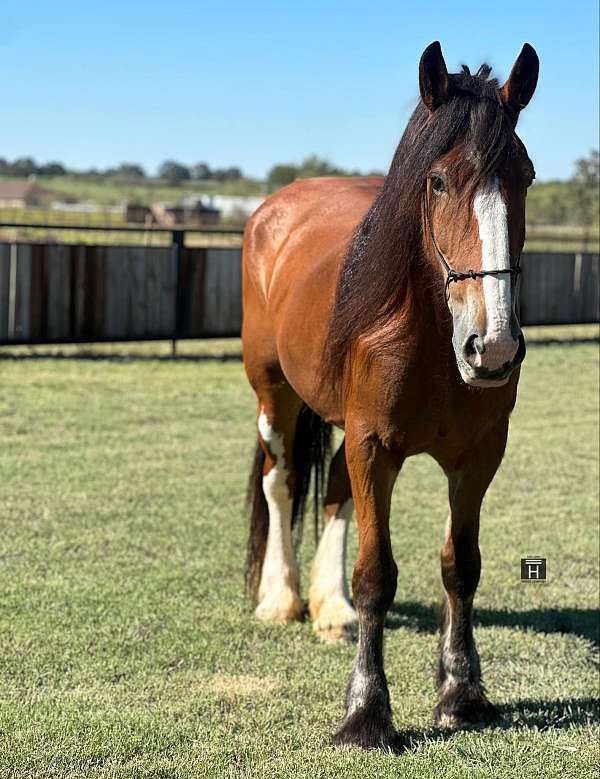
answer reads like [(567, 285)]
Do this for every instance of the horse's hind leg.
[(278, 590), (333, 616), (462, 697)]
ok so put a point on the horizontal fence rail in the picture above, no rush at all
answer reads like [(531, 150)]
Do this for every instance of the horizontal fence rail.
[(125, 228), (62, 293)]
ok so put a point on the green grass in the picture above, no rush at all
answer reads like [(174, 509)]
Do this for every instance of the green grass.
[(127, 649), (113, 191), (561, 238)]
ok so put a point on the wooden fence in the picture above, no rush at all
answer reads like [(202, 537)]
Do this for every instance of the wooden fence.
[(559, 288), (53, 293)]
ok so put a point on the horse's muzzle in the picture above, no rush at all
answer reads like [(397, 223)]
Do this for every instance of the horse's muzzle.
[(475, 372)]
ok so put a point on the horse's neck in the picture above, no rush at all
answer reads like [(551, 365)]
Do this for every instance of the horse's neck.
[(426, 310)]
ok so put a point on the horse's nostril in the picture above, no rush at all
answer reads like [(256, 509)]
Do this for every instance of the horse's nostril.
[(474, 345)]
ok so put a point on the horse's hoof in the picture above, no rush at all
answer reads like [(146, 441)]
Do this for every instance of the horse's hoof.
[(461, 709), (368, 729), (338, 634), (283, 606), (336, 621)]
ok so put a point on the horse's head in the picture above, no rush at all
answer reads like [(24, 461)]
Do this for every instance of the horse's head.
[(474, 206)]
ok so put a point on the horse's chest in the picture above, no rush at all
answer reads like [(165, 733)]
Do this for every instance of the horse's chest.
[(439, 423)]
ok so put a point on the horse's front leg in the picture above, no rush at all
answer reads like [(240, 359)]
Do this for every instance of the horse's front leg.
[(373, 471), (462, 700)]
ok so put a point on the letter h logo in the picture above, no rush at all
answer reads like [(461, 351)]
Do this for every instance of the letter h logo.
[(533, 569)]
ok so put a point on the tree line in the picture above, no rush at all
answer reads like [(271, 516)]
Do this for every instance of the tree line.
[(174, 172), (169, 171), (572, 202), (312, 167), (575, 201)]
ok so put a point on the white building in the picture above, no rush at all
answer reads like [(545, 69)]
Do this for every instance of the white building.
[(232, 206)]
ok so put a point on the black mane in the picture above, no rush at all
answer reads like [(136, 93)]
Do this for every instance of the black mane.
[(373, 278)]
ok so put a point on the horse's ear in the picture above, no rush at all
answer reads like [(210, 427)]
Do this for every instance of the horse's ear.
[(520, 85), (433, 77)]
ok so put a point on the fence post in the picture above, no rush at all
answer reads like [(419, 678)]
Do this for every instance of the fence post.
[(178, 244), (12, 292)]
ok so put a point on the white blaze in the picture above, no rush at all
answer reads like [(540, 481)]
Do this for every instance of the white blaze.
[(490, 211)]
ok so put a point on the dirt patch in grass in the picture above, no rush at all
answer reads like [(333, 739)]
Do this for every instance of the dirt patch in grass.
[(241, 686)]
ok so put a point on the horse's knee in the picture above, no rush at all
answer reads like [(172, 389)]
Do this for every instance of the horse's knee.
[(461, 568), (374, 585)]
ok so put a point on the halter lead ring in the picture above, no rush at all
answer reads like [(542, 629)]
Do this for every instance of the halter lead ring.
[(458, 275)]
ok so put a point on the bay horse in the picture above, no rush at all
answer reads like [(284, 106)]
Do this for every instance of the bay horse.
[(386, 307)]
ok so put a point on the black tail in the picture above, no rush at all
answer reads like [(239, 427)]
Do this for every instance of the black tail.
[(312, 450), (259, 523), (312, 447)]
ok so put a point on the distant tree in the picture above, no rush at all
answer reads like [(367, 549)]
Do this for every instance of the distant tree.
[(313, 167), (226, 174), (201, 171), (556, 208), (52, 169), (3, 167), (585, 186), (280, 175), (23, 166), (130, 170), (174, 172), (233, 173), (587, 169)]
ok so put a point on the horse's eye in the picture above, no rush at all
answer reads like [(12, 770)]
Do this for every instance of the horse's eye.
[(437, 184)]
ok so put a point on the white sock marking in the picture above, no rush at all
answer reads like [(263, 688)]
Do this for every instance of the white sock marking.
[(329, 597), (279, 570), (329, 568)]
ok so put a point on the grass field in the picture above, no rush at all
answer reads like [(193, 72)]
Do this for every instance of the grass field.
[(127, 649), (111, 191)]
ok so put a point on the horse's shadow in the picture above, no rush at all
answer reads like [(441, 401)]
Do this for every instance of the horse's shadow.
[(532, 714), (524, 714), (425, 619)]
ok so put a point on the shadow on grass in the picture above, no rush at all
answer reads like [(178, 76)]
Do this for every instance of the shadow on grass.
[(540, 715), (53, 352), (584, 339), (424, 619), (92, 356)]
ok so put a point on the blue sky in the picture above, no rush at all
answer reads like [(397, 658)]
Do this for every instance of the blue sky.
[(253, 83)]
